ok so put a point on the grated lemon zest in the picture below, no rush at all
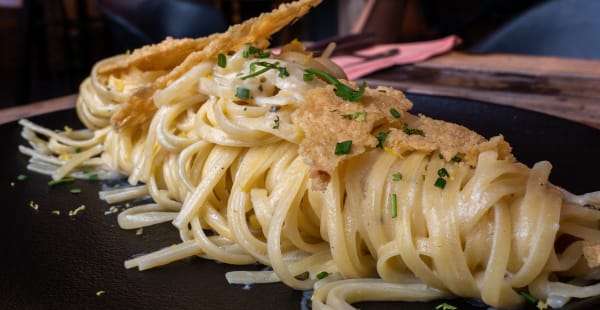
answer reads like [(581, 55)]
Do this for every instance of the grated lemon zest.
[(390, 150), (119, 84)]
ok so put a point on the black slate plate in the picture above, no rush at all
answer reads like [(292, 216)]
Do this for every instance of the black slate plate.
[(61, 262)]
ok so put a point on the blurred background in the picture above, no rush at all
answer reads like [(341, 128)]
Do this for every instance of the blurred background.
[(49, 46)]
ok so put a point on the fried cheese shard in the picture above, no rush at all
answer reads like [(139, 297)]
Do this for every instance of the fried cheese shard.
[(327, 119), (179, 56)]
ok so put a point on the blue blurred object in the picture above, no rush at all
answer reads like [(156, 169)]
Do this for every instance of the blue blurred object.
[(563, 28), (139, 22)]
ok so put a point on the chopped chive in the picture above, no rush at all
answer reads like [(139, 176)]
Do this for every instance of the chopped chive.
[(252, 50), (397, 176), (266, 67), (78, 150), (410, 131), (441, 183), (381, 136), (242, 93), (93, 177), (357, 116), (22, 177), (75, 190), (456, 159), (445, 306), (255, 73), (263, 54), (60, 181), (322, 275), (260, 88), (443, 173), (221, 60), (529, 297), (394, 205), (341, 90), (85, 169), (283, 72), (395, 113), (307, 77), (343, 148), (252, 67), (381, 90)]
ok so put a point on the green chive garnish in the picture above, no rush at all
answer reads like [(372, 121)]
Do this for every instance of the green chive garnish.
[(60, 181), (307, 77), (456, 159), (443, 173), (93, 177), (529, 297), (357, 116), (394, 205), (85, 169), (221, 60), (283, 72), (256, 73), (341, 90), (441, 183), (242, 93), (395, 113), (445, 306), (343, 148), (266, 67), (410, 131), (322, 275), (75, 190), (381, 136), (255, 51), (21, 177), (397, 176)]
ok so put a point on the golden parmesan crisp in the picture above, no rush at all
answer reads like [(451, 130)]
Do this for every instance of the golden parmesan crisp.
[(326, 120), (182, 55), (161, 56), (448, 139)]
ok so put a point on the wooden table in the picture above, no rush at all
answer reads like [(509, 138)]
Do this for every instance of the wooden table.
[(567, 88)]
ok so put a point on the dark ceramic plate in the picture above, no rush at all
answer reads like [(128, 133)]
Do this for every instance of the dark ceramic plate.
[(53, 261)]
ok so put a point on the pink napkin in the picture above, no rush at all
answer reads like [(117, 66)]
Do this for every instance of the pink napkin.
[(369, 60)]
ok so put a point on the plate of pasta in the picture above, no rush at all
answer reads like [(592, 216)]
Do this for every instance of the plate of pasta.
[(219, 173)]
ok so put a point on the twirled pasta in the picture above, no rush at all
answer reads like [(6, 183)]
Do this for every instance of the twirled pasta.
[(233, 175)]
